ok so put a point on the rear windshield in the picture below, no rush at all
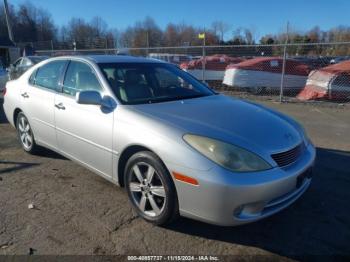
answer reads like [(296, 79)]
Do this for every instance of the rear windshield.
[(142, 83), (38, 59)]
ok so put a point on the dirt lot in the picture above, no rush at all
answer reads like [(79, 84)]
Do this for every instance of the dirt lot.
[(77, 212)]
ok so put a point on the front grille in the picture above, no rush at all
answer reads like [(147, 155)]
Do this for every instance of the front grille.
[(288, 157)]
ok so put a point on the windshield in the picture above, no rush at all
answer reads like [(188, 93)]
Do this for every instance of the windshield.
[(142, 83)]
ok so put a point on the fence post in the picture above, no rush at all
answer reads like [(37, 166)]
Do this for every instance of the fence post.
[(203, 59), (284, 64), (106, 45)]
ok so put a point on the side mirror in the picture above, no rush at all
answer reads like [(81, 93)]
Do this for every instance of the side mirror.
[(88, 98), (91, 97)]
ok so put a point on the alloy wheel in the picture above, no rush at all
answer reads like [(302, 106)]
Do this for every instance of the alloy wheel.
[(25, 133), (147, 189)]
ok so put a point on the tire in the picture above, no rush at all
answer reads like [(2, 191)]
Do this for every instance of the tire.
[(25, 134), (154, 196)]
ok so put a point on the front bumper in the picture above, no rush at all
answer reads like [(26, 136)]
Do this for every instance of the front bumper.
[(226, 198)]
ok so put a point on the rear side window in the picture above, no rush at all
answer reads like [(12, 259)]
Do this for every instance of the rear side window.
[(49, 74), (26, 62), (32, 78), (18, 62), (80, 77)]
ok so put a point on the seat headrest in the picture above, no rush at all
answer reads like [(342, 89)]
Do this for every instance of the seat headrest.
[(133, 77)]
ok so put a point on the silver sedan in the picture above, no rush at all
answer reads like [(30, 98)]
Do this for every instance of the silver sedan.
[(176, 146)]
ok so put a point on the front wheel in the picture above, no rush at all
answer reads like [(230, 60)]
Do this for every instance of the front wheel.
[(25, 134), (151, 189)]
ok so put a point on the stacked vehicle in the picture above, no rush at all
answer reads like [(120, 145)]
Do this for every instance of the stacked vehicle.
[(330, 82), (264, 74), (214, 67)]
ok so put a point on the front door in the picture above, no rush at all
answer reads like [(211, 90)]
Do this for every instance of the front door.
[(84, 132)]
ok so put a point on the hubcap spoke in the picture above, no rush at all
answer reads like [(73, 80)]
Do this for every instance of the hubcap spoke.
[(29, 138), (135, 187), (153, 205), (23, 136), (142, 203), (158, 191), (26, 141), (23, 122), (26, 128), (21, 127), (150, 173), (138, 174)]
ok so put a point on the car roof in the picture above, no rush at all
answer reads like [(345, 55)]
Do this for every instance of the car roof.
[(35, 56), (118, 59)]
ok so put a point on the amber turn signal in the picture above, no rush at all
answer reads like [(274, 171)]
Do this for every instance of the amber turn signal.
[(185, 179)]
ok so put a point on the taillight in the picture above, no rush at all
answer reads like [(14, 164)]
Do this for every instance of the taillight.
[(4, 91)]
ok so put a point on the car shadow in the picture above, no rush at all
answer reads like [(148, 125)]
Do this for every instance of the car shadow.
[(317, 224), (14, 166), (47, 153)]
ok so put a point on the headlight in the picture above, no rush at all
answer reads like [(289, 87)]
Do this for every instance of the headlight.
[(229, 156)]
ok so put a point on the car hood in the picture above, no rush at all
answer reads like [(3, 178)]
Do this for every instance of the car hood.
[(241, 123)]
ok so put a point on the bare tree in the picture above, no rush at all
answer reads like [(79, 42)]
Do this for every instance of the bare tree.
[(171, 35), (220, 28), (98, 26)]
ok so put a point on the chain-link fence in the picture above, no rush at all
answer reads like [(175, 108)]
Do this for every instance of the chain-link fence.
[(293, 72)]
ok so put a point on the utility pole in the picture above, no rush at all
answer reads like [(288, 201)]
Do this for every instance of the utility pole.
[(203, 37), (204, 58), (8, 21)]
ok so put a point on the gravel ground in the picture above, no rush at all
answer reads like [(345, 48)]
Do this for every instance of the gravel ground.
[(78, 213)]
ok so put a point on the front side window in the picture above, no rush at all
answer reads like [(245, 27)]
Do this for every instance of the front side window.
[(80, 77), (140, 83), (49, 74)]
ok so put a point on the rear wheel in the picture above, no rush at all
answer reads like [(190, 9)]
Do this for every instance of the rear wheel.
[(25, 134), (151, 189)]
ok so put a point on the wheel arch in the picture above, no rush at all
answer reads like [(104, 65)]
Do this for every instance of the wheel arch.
[(126, 154), (15, 115)]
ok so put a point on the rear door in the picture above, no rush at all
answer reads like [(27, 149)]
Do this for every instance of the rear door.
[(84, 132), (38, 101)]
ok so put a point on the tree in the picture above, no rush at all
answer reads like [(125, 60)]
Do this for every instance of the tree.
[(220, 28), (93, 34), (267, 40), (171, 35)]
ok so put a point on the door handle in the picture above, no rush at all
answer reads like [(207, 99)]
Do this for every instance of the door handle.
[(60, 106), (25, 95)]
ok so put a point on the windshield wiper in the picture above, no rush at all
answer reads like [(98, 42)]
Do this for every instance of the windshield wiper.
[(168, 99)]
